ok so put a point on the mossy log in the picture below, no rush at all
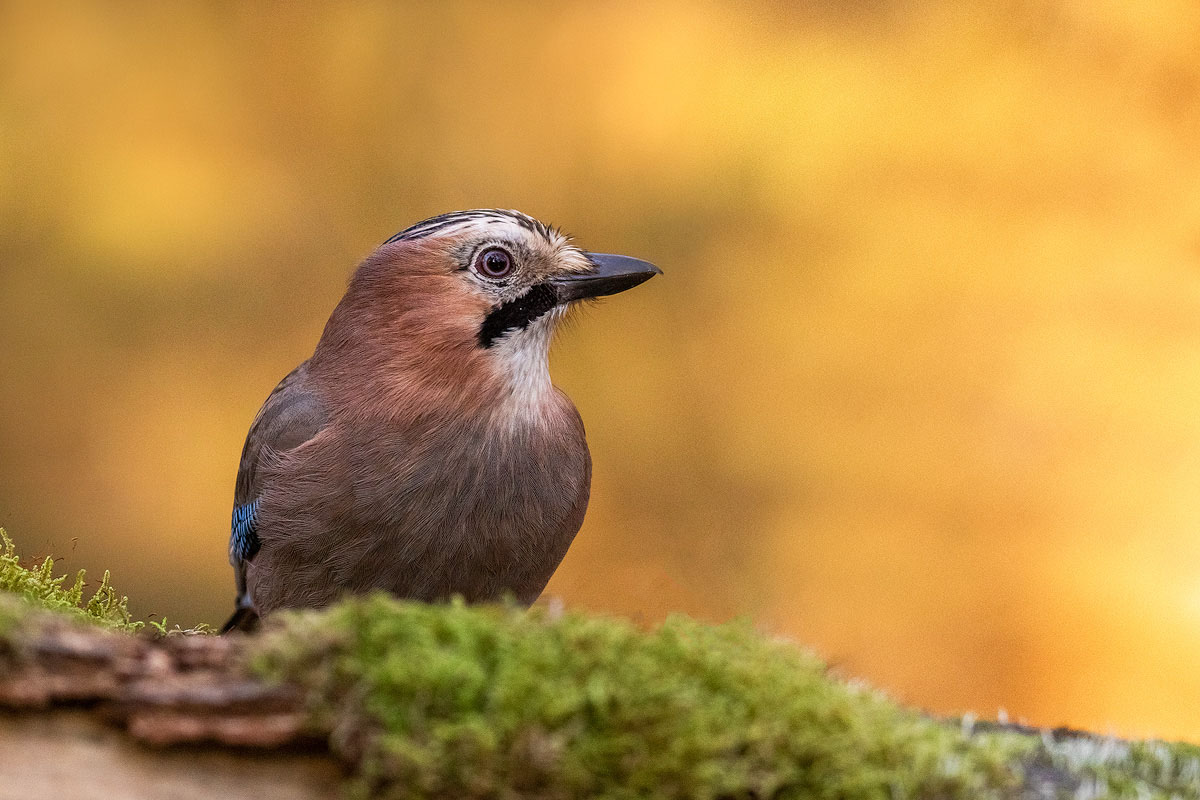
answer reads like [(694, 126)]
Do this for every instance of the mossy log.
[(379, 698)]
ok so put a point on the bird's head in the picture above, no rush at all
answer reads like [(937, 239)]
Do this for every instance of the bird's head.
[(473, 296)]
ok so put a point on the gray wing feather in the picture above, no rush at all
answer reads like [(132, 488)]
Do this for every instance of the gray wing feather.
[(291, 416)]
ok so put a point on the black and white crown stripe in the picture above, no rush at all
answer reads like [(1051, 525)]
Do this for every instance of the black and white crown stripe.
[(447, 223)]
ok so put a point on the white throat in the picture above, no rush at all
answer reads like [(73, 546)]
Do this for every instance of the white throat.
[(524, 362)]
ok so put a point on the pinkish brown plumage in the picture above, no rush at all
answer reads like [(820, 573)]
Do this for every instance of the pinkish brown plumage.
[(423, 449)]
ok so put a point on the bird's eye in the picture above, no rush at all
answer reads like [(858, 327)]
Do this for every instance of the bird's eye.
[(495, 262)]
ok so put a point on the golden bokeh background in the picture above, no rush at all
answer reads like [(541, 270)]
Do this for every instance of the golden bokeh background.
[(920, 386)]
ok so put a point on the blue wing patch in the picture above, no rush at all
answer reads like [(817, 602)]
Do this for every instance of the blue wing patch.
[(243, 537)]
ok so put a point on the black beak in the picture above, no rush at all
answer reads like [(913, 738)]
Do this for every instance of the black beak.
[(612, 274)]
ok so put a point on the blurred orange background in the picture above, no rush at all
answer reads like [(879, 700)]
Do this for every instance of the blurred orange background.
[(920, 387)]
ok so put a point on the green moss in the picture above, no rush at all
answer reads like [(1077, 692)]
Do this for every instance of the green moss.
[(38, 586), (487, 702)]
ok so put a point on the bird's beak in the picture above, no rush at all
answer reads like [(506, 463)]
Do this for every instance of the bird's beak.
[(612, 274)]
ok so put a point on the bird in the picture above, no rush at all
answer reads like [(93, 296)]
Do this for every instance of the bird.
[(423, 449)]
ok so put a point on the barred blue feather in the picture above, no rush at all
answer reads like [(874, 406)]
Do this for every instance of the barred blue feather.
[(243, 538)]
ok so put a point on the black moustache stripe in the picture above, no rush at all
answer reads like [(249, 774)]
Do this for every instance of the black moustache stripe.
[(517, 314)]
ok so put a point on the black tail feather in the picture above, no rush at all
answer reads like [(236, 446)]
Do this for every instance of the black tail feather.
[(244, 619)]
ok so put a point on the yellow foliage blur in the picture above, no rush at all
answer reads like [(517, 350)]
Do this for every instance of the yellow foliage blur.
[(920, 386)]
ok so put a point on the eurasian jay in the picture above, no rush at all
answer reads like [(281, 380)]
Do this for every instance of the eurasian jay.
[(423, 449)]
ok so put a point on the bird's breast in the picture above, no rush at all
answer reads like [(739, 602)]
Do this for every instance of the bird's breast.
[(468, 507)]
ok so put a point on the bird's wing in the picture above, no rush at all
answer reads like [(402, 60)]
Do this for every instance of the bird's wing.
[(291, 416)]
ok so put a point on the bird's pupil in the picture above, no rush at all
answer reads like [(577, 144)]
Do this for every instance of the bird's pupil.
[(496, 263)]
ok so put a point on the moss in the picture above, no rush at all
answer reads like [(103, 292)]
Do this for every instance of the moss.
[(39, 586), (490, 702)]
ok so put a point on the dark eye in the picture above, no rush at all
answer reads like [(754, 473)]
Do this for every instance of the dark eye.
[(495, 262)]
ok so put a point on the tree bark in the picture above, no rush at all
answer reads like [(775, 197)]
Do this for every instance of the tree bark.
[(89, 713)]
